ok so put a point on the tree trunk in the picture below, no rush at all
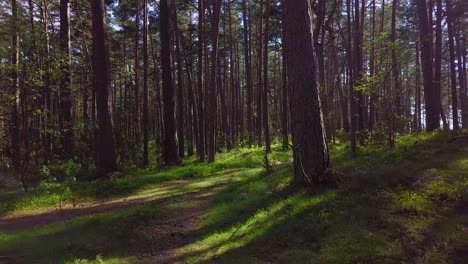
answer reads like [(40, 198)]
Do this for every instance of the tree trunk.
[(311, 158), (284, 101), (214, 84), (105, 150), (136, 112), (438, 64), (180, 90), (352, 100), (248, 72), (462, 78), (418, 89), (453, 71), (145, 85), (201, 84), (266, 128), (425, 35), (65, 81), (170, 154)]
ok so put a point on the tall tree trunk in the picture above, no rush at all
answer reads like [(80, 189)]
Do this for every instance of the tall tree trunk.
[(284, 100), (136, 112), (65, 81), (214, 84), (259, 77), (418, 89), (201, 84), (170, 154), (180, 89), (352, 99), (248, 73), (311, 158), (266, 128), (105, 150), (453, 71), (438, 64), (15, 129), (145, 85), (425, 35), (462, 77)]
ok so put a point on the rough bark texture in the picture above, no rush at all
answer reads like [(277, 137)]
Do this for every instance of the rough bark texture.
[(170, 153), (105, 150), (310, 151)]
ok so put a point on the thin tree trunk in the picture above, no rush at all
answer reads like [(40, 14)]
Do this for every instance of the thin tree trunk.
[(180, 90), (453, 71), (266, 128), (145, 85), (201, 83), (418, 89)]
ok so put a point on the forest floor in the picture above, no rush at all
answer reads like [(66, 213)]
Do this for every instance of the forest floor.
[(409, 204)]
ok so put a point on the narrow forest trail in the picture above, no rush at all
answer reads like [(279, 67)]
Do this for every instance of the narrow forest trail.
[(164, 195)]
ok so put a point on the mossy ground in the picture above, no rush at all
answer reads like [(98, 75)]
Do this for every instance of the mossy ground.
[(408, 204)]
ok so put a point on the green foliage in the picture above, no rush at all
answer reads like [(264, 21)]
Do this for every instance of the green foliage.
[(396, 202)]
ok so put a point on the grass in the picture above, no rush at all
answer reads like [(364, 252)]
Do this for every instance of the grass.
[(82, 238), (402, 205), (48, 195)]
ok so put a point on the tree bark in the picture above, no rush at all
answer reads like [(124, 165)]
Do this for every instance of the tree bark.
[(65, 81), (266, 128), (453, 71), (170, 154), (425, 35), (105, 150), (180, 90), (248, 73), (145, 85), (214, 84), (201, 84), (311, 158)]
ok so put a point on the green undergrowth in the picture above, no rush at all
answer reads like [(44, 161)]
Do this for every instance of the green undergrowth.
[(86, 237), (49, 195), (402, 205), (405, 205)]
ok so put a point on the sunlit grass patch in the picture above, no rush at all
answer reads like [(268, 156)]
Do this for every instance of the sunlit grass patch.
[(255, 227), (360, 245), (83, 237)]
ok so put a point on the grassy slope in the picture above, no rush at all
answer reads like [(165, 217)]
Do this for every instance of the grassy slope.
[(403, 205)]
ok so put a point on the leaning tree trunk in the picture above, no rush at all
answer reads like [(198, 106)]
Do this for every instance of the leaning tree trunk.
[(105, 150), (311, 158)]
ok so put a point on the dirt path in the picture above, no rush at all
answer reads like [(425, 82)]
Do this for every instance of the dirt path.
[(164, 196)]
